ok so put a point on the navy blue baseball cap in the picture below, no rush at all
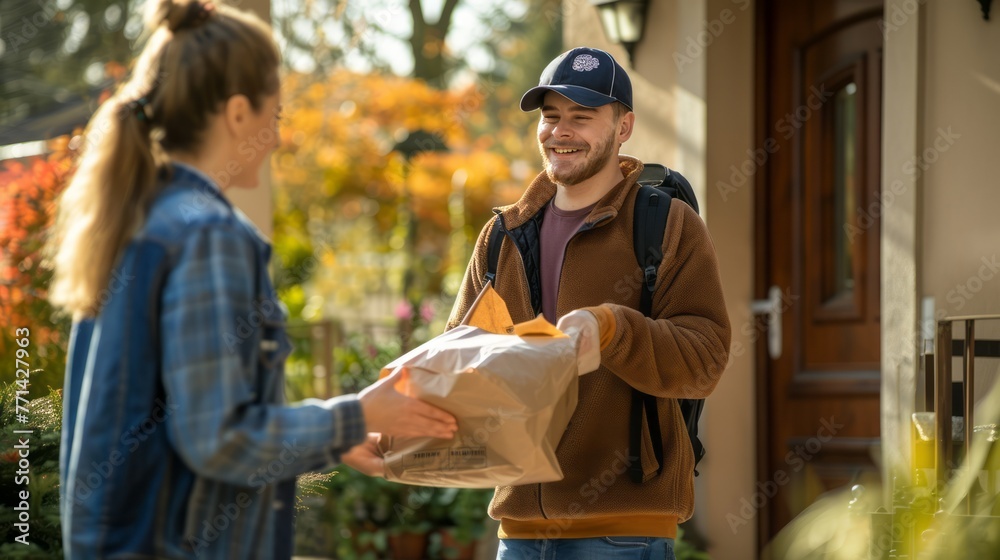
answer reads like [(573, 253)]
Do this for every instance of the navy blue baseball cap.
[(586, 76)]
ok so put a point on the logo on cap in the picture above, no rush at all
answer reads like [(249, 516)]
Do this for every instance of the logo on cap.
[(585, 63)]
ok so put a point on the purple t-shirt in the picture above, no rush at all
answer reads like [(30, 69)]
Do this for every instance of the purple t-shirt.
[(558, 226)]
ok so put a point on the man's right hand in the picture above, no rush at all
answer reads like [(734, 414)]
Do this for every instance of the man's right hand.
[(583, 325), (390, 412)]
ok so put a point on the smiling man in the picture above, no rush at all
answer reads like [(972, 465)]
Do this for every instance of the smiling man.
[(565, 250)]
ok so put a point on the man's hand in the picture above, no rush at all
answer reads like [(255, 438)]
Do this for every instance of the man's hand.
[(582, 325), (366, 458), (390, 412)]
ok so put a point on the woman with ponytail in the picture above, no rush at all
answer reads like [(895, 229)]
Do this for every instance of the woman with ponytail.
[(177, 442)]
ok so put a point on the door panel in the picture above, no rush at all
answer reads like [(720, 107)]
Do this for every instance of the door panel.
[(818, 240)]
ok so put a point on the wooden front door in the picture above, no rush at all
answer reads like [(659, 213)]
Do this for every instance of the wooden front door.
[(819, 66)]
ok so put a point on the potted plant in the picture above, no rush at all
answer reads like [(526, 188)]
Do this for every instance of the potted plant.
[(357, 512), (460, 516), (686, 550), (410, 523)]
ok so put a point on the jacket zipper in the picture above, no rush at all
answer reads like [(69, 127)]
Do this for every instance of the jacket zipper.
[(583, 228), (527, 283), (541, 508)]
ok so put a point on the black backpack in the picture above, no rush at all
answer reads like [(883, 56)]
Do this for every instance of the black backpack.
[(658, 185)]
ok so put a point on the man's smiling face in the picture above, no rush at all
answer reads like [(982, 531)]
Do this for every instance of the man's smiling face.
[(576, 142)]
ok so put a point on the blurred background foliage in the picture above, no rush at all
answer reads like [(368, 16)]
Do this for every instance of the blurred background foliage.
[(43, 500), (27, 194)]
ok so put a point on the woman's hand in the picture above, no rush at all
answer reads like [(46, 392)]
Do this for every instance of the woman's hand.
[(366, 457), (390, 412)]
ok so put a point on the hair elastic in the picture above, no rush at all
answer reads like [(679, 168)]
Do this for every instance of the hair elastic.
[(138, 108), (197, 15)]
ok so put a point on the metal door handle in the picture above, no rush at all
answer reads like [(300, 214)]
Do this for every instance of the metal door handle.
[(772, 308)]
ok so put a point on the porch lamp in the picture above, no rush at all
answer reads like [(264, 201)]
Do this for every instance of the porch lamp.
[(985, 4), (623, 21)]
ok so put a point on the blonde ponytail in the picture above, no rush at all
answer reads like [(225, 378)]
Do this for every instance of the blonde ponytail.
[(197, 56)]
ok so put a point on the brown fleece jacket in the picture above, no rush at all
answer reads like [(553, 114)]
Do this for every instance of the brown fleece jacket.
[(680, 354)]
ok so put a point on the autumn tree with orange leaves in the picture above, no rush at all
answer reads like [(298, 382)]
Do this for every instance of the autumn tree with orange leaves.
[(346, 198)]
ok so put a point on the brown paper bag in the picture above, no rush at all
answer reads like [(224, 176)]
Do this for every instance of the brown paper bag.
[(513, 395)]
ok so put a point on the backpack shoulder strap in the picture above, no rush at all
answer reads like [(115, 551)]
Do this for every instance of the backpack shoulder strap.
[(651, 208), (493, 245), (643, 402), (650, 221)]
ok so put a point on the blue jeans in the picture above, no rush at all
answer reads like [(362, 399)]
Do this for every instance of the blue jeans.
[(601, 548)]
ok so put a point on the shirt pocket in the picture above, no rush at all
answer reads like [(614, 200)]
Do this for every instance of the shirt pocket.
[(275, 345)]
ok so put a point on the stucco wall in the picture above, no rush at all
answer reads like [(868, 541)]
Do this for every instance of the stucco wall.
[(731, 420), (958, 155)]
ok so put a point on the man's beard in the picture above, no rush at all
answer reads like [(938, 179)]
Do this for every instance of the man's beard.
[(595, 161)]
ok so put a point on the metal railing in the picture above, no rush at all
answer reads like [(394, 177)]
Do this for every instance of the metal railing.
[(941, 396)]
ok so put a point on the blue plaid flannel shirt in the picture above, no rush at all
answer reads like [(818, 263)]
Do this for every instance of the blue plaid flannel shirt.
[(177, 442)]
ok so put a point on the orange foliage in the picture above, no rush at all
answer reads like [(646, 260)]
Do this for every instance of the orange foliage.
[(339, 133), (337, 157), (28, 191)]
